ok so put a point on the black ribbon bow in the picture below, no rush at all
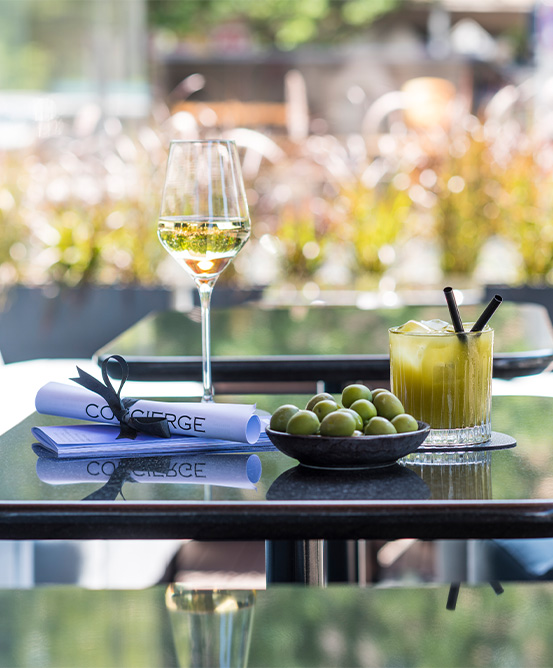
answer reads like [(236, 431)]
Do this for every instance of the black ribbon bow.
[(155, 426)]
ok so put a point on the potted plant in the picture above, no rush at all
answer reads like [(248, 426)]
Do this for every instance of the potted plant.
[(526, 213), (78, 252)]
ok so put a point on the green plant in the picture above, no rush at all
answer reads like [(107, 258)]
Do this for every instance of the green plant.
[(374, 220), (87, 216), (284, 23), (526, 205), (302, 238), (464, 208)]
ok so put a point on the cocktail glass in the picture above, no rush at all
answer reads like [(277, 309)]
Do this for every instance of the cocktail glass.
[(444, 378)]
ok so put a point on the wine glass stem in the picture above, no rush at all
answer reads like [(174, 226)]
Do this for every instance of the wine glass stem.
[(205, 289)]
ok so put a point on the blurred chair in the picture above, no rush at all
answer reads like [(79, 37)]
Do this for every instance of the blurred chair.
[(297, 106), (425, 107), (428, 102), (424, 103), (235, 113), (257, 147), (381, 110), (16, 564), (514, 559), (218, 565)]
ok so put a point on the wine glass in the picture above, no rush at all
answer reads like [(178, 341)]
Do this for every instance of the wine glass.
[(204, 220)]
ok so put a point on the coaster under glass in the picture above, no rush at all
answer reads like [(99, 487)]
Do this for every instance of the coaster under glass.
[(429, 453)]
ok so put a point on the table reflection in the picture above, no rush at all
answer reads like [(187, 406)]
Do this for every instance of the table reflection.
[(293, 626), (463, 475), (210, 628), (229, 470), (390, 482)]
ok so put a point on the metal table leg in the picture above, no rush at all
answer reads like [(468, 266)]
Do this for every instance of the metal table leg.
[(299, 561)]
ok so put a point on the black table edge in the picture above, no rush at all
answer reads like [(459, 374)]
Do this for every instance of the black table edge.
[(277, 520), (300, 368)]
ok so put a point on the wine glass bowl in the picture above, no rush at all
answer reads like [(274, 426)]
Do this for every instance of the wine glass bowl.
[(204, 220)]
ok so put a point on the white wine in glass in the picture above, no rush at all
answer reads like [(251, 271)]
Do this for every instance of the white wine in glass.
[(204, 220)]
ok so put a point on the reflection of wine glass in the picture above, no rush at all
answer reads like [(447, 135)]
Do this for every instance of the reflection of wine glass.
[(204, 220), (211, 628)]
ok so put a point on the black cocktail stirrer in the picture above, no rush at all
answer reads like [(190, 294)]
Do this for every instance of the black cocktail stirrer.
[(454, 313), (487, 314)]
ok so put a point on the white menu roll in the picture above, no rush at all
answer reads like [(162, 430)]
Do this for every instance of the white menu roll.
[(233, 422), (233, 470)]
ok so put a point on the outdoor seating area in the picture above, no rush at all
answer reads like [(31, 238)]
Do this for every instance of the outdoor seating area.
[(276, 334)]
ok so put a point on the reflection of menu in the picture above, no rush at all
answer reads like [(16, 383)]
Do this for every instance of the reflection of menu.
[(389, 482), (232, 470)]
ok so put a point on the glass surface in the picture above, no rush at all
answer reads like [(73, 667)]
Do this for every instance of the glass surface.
[(316, 330), (445, 380), (523, 472), (450, 476), (296, 627), (204, 220)]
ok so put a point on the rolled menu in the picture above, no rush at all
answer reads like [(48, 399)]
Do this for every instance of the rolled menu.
[(232, 422)]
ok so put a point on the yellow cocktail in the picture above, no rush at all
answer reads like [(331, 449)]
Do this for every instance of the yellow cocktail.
[(444, 378)]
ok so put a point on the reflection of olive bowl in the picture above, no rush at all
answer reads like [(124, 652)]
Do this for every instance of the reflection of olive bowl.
[(301, 483), (350, 452)]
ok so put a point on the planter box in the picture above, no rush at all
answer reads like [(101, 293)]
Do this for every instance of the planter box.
[(224, 297), (75, 322)]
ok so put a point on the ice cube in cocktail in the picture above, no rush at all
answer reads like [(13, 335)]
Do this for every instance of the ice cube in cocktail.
[(444, 378)]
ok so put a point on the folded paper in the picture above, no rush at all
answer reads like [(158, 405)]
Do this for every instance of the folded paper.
[(101, 440), (228, 470), (233, 422)]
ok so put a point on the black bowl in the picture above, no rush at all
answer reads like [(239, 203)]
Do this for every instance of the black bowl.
[(349, 452)]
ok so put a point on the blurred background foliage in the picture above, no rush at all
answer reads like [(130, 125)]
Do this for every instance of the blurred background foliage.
[(78, 204), (286, 24), (328, 216), (89, 216)]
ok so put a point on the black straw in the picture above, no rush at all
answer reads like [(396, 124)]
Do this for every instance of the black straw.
[(452, 596), (453, 310), (487, 314), (496, 586)]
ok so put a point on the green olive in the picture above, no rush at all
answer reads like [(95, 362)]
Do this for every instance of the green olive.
[(353, 392), (388, 405), (338, 423), (405, 422), (358, 419), (365, 408), (280, 417), (379, 425), (316, 398), (378, 390), (324, 407), (303, 422)]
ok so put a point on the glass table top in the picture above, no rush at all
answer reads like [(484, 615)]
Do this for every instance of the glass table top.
[(523, 472), (253, 343), (162, 497)]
